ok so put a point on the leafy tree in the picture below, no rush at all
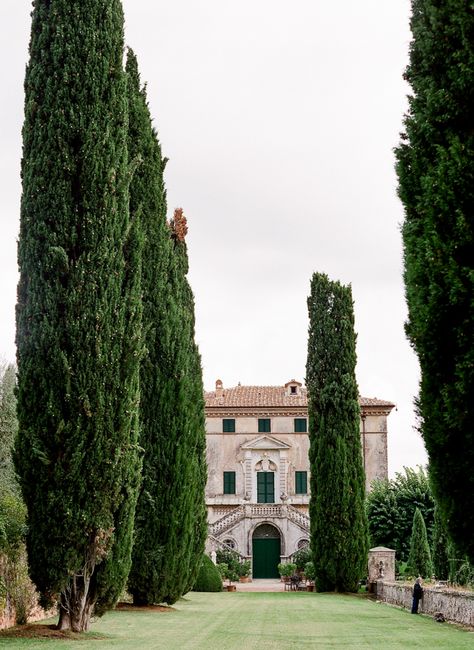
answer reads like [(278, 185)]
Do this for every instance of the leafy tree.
[(436, 172), (390, 508), (339, 539), (302, 557), (171, 517), (440, 548), (419, 558), (78, 312)]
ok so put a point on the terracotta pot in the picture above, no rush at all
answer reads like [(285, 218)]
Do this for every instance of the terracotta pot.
[(231, 587), (245, 579), (309, 587)]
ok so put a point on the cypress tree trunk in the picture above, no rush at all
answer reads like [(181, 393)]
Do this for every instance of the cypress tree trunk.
[(339, 537), (78, 312), (436, 173), (170, 524)]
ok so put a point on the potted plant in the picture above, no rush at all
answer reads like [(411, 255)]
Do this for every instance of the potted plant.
[(222, 568), (286, 569), (310, 574), (244, 571), (228, 573), (232, 576)]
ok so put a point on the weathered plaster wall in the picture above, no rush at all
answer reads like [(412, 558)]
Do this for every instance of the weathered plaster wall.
[(456, 606), (224, 454), (374, 443)]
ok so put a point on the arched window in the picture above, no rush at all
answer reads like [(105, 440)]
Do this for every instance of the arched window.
[(230, 543)]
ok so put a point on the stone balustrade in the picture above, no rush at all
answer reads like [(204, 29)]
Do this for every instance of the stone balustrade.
[(456, 606)]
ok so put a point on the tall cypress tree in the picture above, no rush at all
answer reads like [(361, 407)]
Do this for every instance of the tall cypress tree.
[(440, 547), (339, 538), (436, 185), (78, 312), (170, 524), (187, 534), (8, 427)]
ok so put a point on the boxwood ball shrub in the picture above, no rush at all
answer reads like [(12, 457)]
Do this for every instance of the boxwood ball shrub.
[(209, 578)]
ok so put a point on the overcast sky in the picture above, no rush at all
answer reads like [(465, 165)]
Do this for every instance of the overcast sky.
[(279, 119)]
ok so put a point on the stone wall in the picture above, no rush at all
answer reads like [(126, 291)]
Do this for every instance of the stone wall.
[(8, 615), (456, 606)]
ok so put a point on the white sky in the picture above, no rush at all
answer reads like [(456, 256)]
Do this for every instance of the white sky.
[(279, 119)]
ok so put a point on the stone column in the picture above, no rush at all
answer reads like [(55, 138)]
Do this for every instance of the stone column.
[(283, 474)]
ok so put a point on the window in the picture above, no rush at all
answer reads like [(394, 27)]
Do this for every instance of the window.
[(229, 482), (293, 390), (301, 425), (228, 426), (230, 543), (301, 482), (265, 487), (264, 425)]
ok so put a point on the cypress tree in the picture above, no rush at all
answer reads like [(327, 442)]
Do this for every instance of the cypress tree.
[(8, 428), (170, 524), (339, 538), (436, 173), (181, 512), (440, 548), (148, 201), (78, 312), (419, 559)]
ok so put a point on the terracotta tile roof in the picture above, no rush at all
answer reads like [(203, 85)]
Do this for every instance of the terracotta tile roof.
[(276, 396)]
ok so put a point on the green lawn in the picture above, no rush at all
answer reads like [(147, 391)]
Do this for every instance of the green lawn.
[(265, 620)]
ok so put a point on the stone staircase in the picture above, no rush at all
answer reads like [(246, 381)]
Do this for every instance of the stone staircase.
[(259, 511), (227, 521), (298, 518)]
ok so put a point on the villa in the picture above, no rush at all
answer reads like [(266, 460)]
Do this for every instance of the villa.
[(257, 492)]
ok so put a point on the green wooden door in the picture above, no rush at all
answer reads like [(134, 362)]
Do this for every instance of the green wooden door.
[(265, 487), (266, 557)]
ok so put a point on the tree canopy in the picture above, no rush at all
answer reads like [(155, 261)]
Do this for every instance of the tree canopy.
[(339, 539), (391, 505), (78, 312), (435, 166)]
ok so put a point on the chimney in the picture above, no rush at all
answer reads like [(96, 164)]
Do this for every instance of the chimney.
[(219, 388)]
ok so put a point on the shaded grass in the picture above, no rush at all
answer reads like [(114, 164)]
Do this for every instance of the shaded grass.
[(247, 621)]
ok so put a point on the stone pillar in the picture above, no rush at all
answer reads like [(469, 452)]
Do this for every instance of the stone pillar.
[(248, 476), (381, 566), (283, 475)]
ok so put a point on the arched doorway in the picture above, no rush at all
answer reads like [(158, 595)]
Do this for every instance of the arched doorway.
[(266, 551)]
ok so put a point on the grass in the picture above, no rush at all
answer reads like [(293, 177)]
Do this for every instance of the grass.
[(247, 621)]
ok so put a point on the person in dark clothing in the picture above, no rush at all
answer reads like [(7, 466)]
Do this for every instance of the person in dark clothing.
[(417, 596)]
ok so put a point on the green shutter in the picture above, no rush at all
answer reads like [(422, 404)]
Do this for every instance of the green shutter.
[(301, 482), (228, 425), (301, 425), (265, 487), (229, 482), (264, 425)]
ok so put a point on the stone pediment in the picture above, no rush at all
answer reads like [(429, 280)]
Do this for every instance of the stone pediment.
[(264, 443)]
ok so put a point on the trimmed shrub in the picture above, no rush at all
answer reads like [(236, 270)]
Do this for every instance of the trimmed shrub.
[(208, 578)]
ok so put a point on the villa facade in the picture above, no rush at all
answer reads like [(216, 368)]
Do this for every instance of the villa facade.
[(257, 491)]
